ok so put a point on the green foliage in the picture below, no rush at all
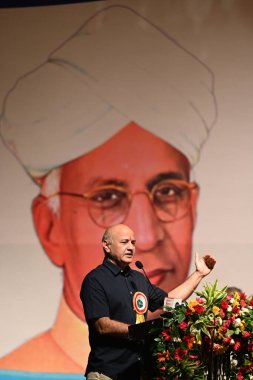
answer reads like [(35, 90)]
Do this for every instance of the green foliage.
[(213, 326)]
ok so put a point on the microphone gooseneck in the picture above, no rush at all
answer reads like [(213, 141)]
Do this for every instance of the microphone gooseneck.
[(139, 265)]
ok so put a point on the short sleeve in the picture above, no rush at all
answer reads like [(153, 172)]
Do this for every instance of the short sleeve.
[(94, 299), (156, 297)]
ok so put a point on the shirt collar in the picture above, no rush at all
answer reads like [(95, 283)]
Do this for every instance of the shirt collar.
[(115, 269)]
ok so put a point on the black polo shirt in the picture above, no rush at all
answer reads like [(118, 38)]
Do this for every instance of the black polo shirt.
[(107, 291)]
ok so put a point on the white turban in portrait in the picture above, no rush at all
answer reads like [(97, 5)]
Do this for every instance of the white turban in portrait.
[(117, 68)]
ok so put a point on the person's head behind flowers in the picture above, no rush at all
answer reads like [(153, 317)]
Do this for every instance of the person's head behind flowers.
[(233, 289)]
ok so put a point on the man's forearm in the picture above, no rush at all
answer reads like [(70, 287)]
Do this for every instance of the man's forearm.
[(184, 290), (204, 265), (107, 326)]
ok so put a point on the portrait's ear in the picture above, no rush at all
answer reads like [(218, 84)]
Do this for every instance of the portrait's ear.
[(48, 228), (194, 201)]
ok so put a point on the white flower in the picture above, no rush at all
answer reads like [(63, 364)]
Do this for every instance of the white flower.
[(237, 322), (219, 320), (232, 342), (244, 310), (176, 339), (229, 308)]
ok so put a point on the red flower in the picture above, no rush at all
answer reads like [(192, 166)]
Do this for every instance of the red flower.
[(193, 357), (199, 309), (246, 334), (180, 354), (237, 345), (200, 300), (216, 347), (165, 335), (236, 309), (224, 305), (243, 296), (223, 330), (251, 302), (227, 323), (227, 340), (183, 325), (162, 356), (222, 314), (242, 303), (189, 341)]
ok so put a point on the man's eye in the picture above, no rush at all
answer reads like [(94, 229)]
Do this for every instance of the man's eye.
[(107, 198)]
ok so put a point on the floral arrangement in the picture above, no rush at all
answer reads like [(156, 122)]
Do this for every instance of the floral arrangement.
[(209, 337)]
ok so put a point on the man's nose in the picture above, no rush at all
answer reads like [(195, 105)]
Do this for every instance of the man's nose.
[(149, 231), (130, 246)]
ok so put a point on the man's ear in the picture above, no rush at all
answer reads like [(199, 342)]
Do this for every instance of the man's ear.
[(106, 247), (194, 200), (47, 225)]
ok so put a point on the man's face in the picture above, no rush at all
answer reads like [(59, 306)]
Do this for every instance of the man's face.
[(135, 160), (120, 250)]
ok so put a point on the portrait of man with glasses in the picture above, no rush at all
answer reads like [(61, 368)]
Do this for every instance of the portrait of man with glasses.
[(115, 126)]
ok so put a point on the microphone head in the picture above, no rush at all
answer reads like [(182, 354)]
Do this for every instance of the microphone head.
[(139, 264)]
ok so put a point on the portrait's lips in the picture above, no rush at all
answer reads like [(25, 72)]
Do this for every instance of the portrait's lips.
[(157, 276)]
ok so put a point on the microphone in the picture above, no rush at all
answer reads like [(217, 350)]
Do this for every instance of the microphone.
[(139, 265)]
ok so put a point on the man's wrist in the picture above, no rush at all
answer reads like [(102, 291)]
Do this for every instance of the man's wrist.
[(199, 273), (199, 276)]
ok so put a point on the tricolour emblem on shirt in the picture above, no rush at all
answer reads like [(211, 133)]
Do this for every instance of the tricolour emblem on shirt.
[(140, 304)]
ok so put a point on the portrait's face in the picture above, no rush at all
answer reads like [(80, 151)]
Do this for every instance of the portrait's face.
[(135, 162)]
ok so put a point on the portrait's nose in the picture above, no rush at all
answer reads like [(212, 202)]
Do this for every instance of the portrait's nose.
[(148, 230)]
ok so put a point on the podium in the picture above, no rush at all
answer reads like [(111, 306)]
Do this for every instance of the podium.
[(143, 334)]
